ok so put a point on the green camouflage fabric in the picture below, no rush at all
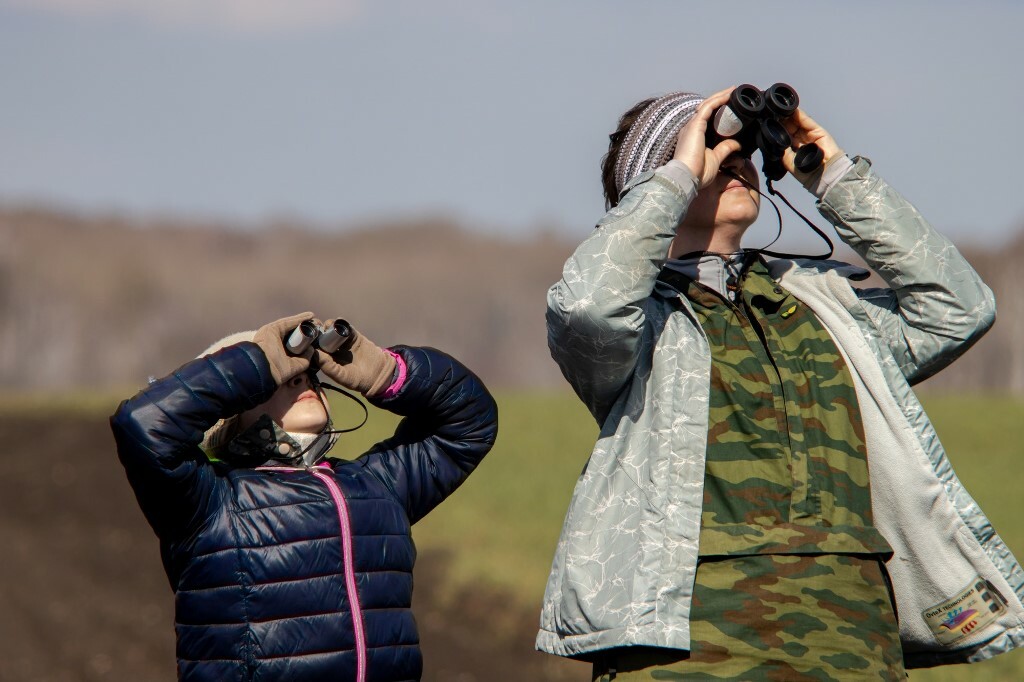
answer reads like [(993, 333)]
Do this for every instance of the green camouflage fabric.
[(775, 617), (786, 475), (786, 469)]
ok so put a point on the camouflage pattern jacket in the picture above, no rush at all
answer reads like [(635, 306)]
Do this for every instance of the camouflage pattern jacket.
[(635, 354)]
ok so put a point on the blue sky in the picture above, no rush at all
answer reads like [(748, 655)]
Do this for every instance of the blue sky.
[(495, 113)]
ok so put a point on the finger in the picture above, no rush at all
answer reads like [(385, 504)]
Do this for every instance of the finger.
[(286, 324), (803, 120), (293, 366), (720, 97), (696, 127), (811, 131), (725, 149), (708, 106), (800, 124), (789, 163)]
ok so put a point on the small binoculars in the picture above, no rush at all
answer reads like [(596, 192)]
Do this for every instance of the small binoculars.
[(754, 119), (328, 339)]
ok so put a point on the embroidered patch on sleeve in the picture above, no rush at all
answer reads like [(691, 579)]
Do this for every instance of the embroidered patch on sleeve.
[(973, 609)]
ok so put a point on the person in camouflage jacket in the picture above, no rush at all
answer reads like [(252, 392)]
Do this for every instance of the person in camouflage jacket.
[(766, 495)]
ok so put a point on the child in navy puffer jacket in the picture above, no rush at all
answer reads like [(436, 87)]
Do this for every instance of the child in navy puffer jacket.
[(287, 565)]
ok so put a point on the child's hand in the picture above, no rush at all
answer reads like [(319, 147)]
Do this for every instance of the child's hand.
[(270, 338), (359, 366)]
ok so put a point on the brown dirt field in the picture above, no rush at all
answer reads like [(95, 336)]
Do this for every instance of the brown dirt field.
[(84, 597)]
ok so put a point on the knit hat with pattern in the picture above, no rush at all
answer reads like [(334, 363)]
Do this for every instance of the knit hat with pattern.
[(651, 139)]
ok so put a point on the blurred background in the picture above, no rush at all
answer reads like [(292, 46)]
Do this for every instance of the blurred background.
[(172, 171)]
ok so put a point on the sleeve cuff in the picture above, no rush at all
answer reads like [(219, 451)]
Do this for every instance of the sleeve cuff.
[(821, 181), (681, 175), (401, 373)]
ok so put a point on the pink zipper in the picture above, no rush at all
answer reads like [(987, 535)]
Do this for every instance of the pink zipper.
[(348, 558)]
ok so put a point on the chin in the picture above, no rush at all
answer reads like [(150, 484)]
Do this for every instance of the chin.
[(305, 428), (747, 214), (312, 421), (739, 219)]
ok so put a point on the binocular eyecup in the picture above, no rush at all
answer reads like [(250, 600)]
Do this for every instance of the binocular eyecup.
[(329, 339), (754, 118)]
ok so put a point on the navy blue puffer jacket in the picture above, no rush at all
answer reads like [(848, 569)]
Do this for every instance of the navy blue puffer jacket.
[(297, 573)]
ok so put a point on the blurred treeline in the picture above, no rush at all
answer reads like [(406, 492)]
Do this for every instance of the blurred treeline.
[(102, 302)]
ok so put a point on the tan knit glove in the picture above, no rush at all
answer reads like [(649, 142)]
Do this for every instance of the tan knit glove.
[(360, 366), (270, 338)]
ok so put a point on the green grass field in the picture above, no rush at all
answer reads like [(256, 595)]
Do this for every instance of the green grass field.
[(502, 525), (500, 528)]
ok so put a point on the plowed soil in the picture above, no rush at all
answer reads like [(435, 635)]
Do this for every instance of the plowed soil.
[(83, 595)]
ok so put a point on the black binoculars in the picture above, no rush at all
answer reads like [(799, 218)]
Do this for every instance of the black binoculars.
[(328, 339), (754, 119)]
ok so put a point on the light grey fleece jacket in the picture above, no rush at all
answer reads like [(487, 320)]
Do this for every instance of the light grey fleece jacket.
[(636, 355)]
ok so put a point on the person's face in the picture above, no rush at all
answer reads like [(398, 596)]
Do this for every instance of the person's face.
[(295, 407), (726, 202)]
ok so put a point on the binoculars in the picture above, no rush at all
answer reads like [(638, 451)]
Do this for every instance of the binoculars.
[(754, 119), (328, 339)]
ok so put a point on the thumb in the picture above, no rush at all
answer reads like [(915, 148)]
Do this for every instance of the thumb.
[(285, 325), (725, 149)]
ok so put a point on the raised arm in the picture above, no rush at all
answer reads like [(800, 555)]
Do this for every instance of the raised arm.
[(595, 314), (450, 423), (935, 306), (159, 430)]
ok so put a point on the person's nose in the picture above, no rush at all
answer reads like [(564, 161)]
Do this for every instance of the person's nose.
[(301, 380)]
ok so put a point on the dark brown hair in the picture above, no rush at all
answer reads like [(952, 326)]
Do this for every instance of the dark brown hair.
[(615, 140)]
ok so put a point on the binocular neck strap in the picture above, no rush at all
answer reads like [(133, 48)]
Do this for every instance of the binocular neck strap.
[(314, 450), (357, 401), (778, 215)]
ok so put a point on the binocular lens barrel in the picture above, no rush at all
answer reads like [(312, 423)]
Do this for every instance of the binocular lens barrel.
[(781, 100), (337, 335), (745, 103), (329, 339), (301, 338), (754, 119)]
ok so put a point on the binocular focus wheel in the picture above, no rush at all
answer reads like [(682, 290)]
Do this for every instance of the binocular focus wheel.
[(773, 138)]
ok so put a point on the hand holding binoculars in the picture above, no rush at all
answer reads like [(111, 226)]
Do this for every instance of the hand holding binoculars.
[(329, 339), (754, 119)]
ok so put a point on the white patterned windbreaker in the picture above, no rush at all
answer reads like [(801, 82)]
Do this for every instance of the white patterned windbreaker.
[(635, 354)]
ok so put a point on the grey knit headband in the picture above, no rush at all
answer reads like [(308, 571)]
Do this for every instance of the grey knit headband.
[(651, 139)]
